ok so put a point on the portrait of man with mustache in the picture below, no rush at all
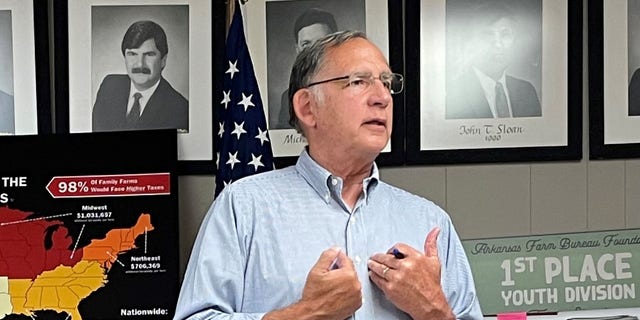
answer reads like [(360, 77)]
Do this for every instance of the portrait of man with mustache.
[(141, 99)]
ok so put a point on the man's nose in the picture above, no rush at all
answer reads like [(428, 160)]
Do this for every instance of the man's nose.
[(139, 61), (498, 40), (380, 94)]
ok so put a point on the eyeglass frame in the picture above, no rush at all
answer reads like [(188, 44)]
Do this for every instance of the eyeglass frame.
[(397, 76)]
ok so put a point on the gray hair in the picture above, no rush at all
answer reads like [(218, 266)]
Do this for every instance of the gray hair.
[(309, 61)]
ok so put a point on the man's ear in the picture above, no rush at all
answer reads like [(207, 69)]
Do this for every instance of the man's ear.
[(163, 62), (302, 103)]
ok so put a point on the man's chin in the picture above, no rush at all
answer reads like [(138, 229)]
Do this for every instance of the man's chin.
[(142, 84), (377, 145)]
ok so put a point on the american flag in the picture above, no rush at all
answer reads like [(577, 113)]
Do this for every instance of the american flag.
[(242, 144)]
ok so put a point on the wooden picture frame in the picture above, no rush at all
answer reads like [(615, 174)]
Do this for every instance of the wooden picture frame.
[(613, 56), (271, 40), (83, 59), (24, 74), (440, 50)]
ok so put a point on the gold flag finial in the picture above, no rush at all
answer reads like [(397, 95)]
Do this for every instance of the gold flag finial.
[(231, 6)]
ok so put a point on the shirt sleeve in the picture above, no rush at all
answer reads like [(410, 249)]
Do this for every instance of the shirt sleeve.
[(457, 279), (213, 285)]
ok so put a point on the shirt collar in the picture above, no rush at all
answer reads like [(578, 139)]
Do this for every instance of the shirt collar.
[(321, 180), (371, 182), (146, 94), (489, 87)]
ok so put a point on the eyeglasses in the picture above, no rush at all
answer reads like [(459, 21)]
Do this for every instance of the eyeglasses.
[(360, 82)]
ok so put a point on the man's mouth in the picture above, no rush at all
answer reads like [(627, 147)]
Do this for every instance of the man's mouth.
[(376, 122)]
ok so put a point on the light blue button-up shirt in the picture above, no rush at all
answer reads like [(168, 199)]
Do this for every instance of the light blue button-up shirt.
[(263, 234)]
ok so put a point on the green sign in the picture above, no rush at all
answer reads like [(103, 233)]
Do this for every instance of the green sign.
[(591, 270)]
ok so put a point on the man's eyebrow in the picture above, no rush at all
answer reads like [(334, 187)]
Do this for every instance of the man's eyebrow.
[(362, 73)]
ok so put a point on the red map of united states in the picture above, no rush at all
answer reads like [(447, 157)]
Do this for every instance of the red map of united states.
[(38, 271)]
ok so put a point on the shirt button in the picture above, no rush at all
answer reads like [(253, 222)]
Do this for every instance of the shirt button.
[(357, 259), (334, 181)]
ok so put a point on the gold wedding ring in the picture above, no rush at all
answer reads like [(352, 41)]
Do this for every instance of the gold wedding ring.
[(384, 272)]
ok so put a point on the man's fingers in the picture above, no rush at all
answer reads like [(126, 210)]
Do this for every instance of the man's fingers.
[(344, 261), (431, 243), (386, 260), (329, 259)]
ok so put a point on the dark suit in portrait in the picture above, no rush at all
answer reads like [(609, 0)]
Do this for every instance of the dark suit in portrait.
[(144, 49), (7, 114), (634, 94), (166, 108), (466, 98), (282, 122)]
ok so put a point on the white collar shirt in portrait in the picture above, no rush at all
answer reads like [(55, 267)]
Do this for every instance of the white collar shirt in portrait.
[(146, 95), (488, 86)]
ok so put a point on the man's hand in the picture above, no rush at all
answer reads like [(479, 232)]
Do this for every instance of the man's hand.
[(412, 283), (332, 290)]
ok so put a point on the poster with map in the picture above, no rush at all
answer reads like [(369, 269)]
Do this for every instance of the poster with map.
[(89, 226)]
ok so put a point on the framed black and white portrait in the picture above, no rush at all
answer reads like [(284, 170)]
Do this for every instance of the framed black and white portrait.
[(278, 29), (493, 81), (139, 65), (614, 79), (24, 102), (292, 26)]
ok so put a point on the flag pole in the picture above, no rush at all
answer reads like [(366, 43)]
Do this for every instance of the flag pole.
[(231, 6)]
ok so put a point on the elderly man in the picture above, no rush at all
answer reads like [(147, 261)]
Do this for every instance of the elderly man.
[(141, 99), (325, 238)]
